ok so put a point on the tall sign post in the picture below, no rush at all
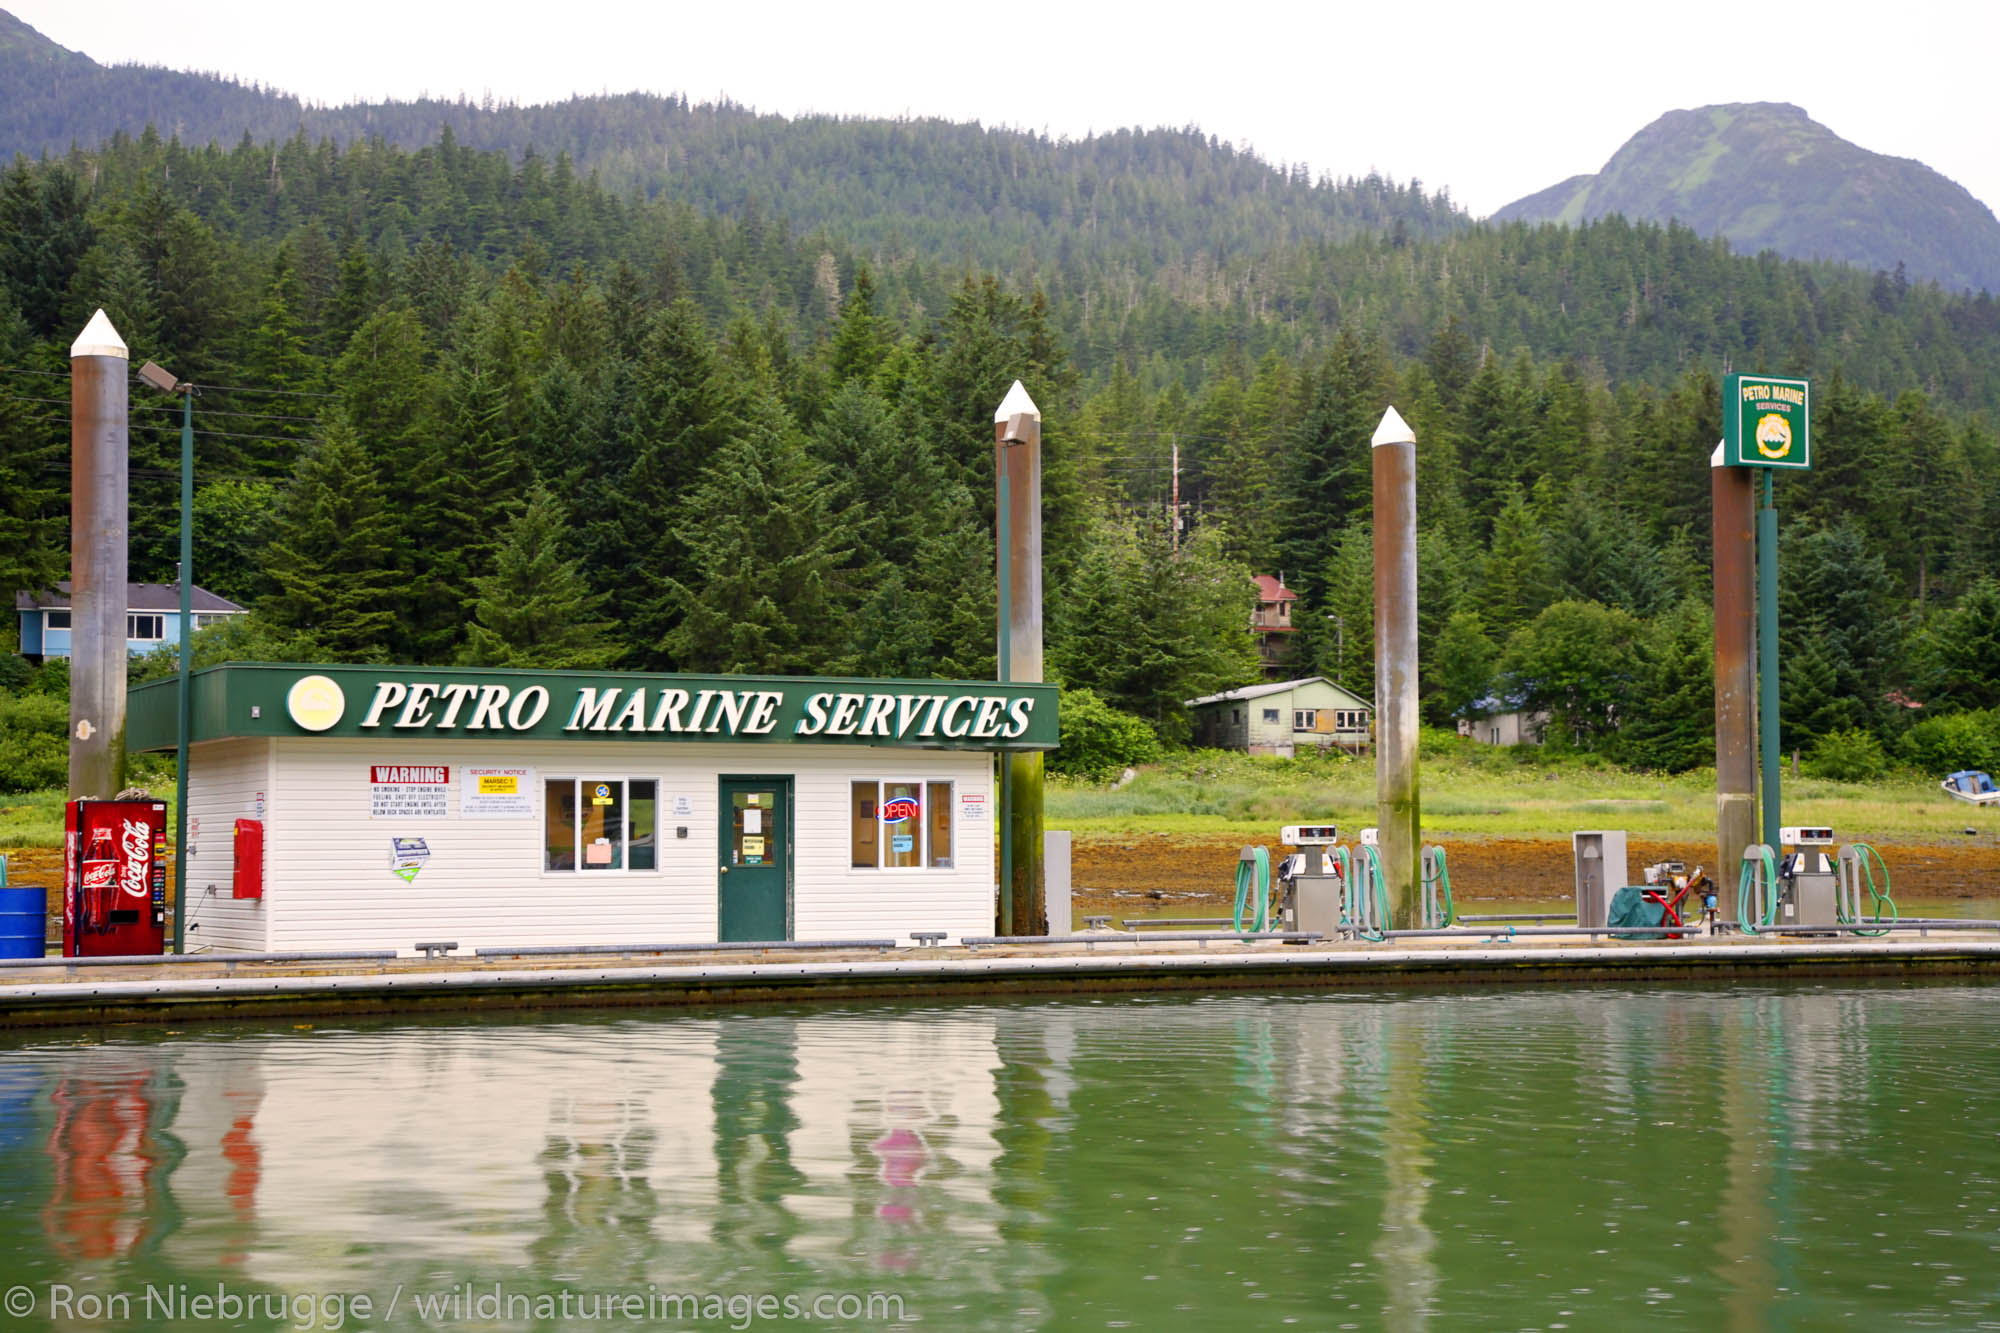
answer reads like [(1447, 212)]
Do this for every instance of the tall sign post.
[(1734, 494), (1017, 474), (1398, 818), (100, 452), (1767, 423)]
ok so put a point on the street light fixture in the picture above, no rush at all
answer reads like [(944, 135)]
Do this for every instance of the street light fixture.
[(167, 382)]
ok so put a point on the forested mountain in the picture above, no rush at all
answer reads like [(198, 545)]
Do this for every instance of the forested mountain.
[(905, 189), (466, 404), (1767, 177)]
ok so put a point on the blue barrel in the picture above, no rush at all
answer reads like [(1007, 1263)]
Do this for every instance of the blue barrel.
[(23, 918)]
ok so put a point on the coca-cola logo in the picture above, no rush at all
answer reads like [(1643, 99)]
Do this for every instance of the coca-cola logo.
[(99, 874), (138, 849)]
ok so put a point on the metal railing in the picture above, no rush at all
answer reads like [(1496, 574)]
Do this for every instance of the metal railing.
[(628, 950), (229, 960)]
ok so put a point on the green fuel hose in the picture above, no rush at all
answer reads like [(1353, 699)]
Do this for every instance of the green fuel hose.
[(1373, 872), (1258, 870), (1436, 872), (1747, 884), (1863, 854)]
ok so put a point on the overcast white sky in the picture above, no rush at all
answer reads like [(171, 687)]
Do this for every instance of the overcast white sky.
[(1493, 100)]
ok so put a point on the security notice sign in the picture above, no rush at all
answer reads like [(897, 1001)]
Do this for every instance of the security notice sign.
[(496, 793), (409, 791), (1766, 422)]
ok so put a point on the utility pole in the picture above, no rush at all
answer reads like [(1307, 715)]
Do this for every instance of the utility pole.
[(1398, 817), (1017, 472), (100, 456), (1176, 494)]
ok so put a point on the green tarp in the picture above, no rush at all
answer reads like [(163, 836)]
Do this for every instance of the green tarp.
[(1631, 907)]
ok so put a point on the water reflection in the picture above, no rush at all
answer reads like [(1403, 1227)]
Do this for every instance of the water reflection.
[(1589, 1157)]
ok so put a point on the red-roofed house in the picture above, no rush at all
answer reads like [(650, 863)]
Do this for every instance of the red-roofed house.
[(1271, 622)]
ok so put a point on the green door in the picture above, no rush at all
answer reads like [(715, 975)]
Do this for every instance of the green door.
[(753, 889)]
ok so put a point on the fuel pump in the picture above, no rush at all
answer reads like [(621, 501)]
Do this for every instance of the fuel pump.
[(1810, 882), (1806, 880), (1312, 885)]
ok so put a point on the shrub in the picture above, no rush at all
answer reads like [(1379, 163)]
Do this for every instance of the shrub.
[(1098, 741), (1940, 745), (34, 752), (1849, 755)]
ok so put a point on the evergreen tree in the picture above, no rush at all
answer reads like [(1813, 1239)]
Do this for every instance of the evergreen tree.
[(536, 610), (329, 560), (1668, 722), (762, 591), (1459, 671)]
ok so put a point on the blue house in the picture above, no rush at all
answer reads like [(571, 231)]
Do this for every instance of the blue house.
[(152, 617)]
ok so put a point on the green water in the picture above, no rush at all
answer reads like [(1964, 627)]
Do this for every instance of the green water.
[(1585, 1158)]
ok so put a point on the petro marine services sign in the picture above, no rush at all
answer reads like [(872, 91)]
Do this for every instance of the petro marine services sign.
[(268, 699)]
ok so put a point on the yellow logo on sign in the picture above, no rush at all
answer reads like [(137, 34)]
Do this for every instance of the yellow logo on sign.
[(1774, 435), (315, 702), (497, 785)]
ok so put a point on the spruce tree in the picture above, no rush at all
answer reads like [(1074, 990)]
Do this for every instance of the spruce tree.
[(536, 610), (761, 590), (330, 559)]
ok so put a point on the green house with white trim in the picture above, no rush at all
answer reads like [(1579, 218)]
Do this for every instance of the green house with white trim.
[(1283, 717)]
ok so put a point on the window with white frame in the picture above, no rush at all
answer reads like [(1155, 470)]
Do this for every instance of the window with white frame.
[(900, 824), (146, 626), (599, 824), (1305, 719), (56, 619), (1270, 715), (1350, 719)]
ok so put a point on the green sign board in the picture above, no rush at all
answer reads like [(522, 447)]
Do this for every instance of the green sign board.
[(1766, 422), (245, 699)]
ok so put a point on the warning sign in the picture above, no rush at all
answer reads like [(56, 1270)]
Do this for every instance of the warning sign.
[(972, 807), (409, 791), (496, 793)]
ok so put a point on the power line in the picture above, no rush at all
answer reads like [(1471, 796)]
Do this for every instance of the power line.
[(226, 412), (241, 388)]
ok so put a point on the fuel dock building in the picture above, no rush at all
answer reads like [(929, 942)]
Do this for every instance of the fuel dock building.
[(361, 807)]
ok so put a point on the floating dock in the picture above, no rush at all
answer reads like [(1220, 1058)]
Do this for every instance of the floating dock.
[(59, 992)]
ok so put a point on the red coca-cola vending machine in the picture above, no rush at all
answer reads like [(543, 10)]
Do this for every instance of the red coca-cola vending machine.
[(115, 878)]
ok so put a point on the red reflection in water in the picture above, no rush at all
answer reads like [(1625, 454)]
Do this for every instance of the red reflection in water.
[(101, 1201), (901, 1156)]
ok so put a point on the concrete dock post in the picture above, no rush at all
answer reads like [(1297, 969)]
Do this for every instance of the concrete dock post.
[(100, 455), (1397, 815), (1734, 496), (1017, 475)]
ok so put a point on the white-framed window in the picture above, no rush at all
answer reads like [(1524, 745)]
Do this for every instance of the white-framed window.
[(1305, 719), (147, 626), (56, 619), (900, 824), (203, 619), (593, 824), (1270, 715), (1350, 719)]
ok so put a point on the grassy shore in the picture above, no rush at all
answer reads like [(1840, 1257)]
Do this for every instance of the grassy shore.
[(1474, 790), (1469, 790)]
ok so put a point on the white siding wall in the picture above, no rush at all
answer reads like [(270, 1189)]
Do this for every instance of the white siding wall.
[(331, 885), (224, 778)]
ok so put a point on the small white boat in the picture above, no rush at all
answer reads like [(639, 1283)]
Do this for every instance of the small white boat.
[(1973, 786)]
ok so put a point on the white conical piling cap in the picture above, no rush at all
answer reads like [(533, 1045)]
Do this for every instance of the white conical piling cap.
[(1015, 403), (99, 339), (1393, 430), (1715, 459)]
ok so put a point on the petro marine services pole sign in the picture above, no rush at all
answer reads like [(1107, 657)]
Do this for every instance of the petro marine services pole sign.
[(269, 699), (1766, 422)]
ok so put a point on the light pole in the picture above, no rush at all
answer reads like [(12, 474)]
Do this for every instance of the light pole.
[(166, 382)]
